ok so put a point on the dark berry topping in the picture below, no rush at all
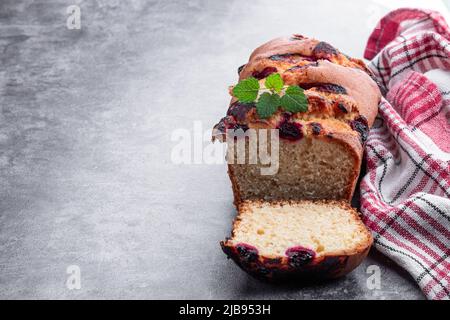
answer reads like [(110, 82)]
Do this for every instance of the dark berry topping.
[(332, 88), (311, 59), (247, 252), (225, 123), (291, 57), (264, 73), (296, 68), (360, 124), (239, 110), (272, 260), (280, 57), (290, 131), (239, 126), (299, 256), (325, 87), (297, 37), (312, 64), (316, 128), (240, 68), (229, 123), (286, 116), (324, 50), (342, 107)]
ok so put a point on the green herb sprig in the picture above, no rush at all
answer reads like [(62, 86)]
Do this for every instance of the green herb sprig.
[(272, 96)]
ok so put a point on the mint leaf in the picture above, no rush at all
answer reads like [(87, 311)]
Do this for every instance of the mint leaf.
[(246, 90), (274, 82), (294, 100), (267, 105)]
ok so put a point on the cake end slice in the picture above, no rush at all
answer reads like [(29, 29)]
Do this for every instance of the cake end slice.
[(286, 239)]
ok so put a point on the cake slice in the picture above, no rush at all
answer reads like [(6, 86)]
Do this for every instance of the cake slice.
[(274, 240)]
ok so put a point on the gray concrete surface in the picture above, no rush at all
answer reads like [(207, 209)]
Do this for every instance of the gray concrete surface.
[(86, 176)]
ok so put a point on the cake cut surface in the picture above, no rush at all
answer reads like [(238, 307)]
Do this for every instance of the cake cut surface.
[(276, 239), (308, 169), (321, 227)]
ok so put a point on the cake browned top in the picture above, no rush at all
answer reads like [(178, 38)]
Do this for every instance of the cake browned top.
[(341, 93)]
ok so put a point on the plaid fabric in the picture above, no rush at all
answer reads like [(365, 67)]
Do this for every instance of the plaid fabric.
[(405, 192)]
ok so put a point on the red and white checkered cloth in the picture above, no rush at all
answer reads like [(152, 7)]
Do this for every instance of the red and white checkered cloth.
[(405, 192)]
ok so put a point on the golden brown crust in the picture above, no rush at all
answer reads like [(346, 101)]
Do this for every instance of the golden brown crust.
[(326, 65), (337, 86), (275, 268), (284, 45), (358, 85), (305, 47)]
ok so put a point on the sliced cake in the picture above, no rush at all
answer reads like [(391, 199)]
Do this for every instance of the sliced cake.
[(276, 240)]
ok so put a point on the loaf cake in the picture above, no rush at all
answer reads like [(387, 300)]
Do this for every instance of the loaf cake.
[(288, 239), (320, 150), (298, 221)]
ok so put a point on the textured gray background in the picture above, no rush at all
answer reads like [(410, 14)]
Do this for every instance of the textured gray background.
[(85, 124)]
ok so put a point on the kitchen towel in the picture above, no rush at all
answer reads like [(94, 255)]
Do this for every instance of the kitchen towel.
[(406, 189)]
